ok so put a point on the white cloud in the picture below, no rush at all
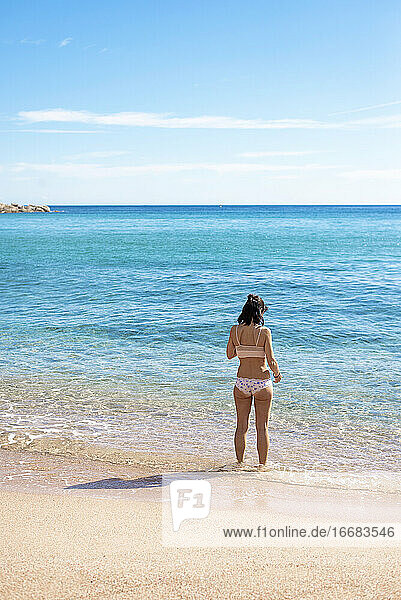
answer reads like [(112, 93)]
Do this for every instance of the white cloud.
[(169, 121), (393, 121), (363, 108), (373, 174), (276, 153), (65, 42), (97, 154), (52, 131), (137, 119), (31, 42), (99, 170)]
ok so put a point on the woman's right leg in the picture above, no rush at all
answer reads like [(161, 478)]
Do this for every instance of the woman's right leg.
[(263, 401), (243, 405)]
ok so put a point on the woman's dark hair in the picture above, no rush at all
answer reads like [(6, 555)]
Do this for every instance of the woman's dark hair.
[(252, 310)]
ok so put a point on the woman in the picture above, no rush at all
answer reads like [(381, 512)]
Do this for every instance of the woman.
[(252, 343)]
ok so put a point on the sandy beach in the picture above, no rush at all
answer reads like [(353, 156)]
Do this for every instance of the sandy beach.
[(67, 543), (65, 548)]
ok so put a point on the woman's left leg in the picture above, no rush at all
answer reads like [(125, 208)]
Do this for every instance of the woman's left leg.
[(243, 405)]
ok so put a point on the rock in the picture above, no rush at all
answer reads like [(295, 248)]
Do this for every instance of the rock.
[(15, 208), (43, 208)]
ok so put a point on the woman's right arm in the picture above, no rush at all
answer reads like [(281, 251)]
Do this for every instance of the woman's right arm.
[(231, 352), (271, 360)]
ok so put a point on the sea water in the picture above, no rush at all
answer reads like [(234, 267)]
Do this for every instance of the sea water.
[(114, 322)]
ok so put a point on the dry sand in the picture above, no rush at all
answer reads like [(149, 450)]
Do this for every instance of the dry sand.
[(65, 547)]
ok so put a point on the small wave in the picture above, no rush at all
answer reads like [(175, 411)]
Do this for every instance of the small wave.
[(63, 446), (387, 482)]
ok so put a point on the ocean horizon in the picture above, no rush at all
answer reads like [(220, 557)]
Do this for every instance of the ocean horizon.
[(115, 320)]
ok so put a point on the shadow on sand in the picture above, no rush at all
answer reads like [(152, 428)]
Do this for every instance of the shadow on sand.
[(152, 481)]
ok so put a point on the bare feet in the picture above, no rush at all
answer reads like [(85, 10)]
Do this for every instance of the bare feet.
[(238, 465), (261, 467)]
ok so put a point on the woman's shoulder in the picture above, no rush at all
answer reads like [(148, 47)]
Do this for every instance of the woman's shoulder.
[(266, 330)]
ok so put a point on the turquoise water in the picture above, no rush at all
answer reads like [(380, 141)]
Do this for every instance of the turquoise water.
[(114, 322)]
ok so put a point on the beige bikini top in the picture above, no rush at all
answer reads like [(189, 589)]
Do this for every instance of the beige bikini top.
[(250, 351)]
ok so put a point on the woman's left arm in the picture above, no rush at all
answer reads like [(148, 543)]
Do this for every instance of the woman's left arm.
[(231, 352)]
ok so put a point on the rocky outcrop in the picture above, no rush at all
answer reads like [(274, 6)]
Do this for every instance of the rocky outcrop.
[(19, 208)]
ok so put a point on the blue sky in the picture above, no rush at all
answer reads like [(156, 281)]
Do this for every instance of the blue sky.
[(200, 102)]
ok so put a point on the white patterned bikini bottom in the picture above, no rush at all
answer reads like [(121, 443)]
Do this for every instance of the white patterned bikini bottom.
[(250, 386)]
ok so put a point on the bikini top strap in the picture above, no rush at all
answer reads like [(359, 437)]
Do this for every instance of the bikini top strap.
[(260, 331), (236, 333)]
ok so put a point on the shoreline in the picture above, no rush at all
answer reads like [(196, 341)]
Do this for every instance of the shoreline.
[(35, 473), (44, 466)]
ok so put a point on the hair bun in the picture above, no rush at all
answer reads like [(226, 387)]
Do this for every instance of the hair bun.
[(252, 311)]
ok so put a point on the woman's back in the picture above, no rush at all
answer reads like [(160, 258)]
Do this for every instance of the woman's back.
[(249, 343), (249, 348)]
